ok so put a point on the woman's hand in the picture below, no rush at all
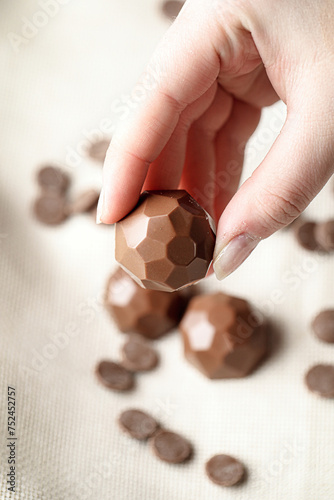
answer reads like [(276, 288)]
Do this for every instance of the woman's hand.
[(199, 101)]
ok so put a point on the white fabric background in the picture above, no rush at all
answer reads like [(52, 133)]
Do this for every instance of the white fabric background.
[(53, 329)]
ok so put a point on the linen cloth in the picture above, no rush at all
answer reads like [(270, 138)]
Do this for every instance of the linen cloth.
[(58, 87)]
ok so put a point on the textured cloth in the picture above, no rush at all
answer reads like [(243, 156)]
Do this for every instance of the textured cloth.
[(61, 83)]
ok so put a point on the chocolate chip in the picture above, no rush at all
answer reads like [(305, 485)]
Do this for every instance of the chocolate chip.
[(320, 380), (224, 470), (138, 424), (171, 447), (324, 235), (323, 325), (85, 202), (50, 209), (98, 150), (305, 234), (171, 8), (138, 355), (114, 376), (53, 179)]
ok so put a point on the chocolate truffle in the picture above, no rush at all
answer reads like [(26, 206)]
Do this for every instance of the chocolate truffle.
[(166, 242), (148, 312), (222, 336)]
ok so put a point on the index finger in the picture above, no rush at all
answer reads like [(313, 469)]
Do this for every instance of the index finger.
[(183, 67)]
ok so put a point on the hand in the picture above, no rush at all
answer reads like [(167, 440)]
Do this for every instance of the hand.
[(219, 63)]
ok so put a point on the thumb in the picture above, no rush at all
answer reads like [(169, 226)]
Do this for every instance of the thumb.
[(296, 168)]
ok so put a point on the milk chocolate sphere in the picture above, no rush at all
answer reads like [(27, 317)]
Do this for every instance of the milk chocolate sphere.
[(166, 242), (151, 313), (222, 336)]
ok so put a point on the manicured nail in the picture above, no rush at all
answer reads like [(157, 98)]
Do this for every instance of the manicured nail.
[(99, 209), (233, 254)]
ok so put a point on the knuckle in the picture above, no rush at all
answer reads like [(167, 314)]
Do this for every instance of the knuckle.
[(207, 132), (280, 208), (175, 104)]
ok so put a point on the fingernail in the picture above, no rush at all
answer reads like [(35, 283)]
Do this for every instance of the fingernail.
[(234, 254), (99, 209)]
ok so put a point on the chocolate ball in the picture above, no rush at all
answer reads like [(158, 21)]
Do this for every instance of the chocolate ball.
[(222, 336), (135, 309), (166, 242)]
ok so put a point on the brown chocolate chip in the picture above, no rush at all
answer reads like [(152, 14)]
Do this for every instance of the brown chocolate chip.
[(320, 380), (224, 470), (305, 234), (171, 447), (323, 325), (324, 235), (138, 424), (85, 202), (171, 8), (53, 179), (98, 150), (50, 209), (114, 376), (138, 355)]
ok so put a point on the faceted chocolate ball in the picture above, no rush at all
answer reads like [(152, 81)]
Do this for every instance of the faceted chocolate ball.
[(222, 336), (135, 309), (166, 242)]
